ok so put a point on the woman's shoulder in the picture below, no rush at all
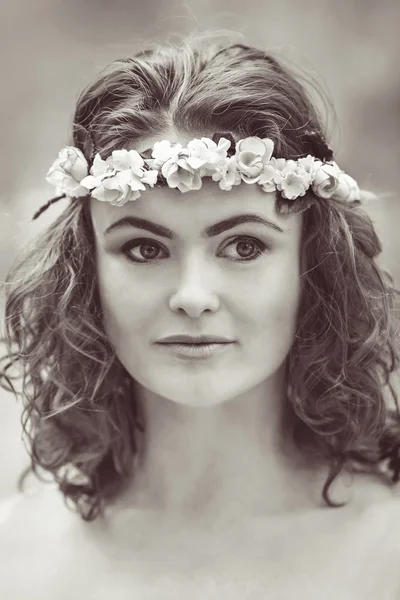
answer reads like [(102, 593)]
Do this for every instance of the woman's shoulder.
[(34, 533), (378, 505), (45, 554), (23, 513), (380, 533), (8, 506)]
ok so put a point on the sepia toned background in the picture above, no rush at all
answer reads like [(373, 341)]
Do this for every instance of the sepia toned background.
[(50, 49)]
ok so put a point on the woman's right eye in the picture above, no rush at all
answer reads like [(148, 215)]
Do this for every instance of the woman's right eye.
[(147, 250)]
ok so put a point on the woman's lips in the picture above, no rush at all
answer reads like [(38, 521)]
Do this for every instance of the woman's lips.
[(196, 351)]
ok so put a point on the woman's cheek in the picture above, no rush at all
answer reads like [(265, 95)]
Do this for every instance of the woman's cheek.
[(278, 301)]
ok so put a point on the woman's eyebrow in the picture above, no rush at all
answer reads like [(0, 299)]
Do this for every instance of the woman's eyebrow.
[(210, 231)]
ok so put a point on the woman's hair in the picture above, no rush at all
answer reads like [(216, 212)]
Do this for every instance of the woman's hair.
[(80, 413)]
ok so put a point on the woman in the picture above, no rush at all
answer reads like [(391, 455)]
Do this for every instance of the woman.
[(205, 341)]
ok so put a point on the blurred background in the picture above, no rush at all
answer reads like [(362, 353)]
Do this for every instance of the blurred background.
[(51, 49)]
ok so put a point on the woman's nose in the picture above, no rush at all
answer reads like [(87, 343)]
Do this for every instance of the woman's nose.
[(195, 292)]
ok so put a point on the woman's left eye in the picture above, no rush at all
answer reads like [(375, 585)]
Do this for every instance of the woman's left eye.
[(247, 247)]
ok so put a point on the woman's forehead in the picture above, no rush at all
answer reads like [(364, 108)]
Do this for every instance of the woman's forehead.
[(195, 209)]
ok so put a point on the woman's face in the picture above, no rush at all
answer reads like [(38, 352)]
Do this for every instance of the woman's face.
[(199, 278)]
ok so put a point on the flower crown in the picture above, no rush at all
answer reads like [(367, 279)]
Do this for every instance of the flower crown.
[(125, 174)]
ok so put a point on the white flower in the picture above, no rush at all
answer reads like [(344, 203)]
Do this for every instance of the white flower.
[(252, 155), (278, 163), (164, 151), (267, 179), (292, 186), (179, 174), (293, 180), (131, 162), (99, 170), (310, 165), (150, 177), (206, 156), (227, 174), (68, 170), (127, 159), (172, 161), (326, 180), (117, 190), (347, 189), (120, 178)]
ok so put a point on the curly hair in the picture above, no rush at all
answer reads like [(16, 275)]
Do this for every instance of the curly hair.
[(80, 414)]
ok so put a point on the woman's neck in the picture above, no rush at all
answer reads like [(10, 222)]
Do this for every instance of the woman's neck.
[(221, 462)]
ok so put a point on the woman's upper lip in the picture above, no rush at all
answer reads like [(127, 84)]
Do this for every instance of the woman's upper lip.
[(190, 339)]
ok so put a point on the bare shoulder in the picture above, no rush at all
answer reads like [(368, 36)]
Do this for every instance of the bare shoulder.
[(33, 532), (380, 525), (48, 554), (378, 502)]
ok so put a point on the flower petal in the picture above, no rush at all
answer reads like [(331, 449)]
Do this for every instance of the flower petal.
[(269, 149), (150, 177), (195, 162), (120, 160), (185, 176), (169, 168), (90, 182), (251, 144), (99, 166), (136, 184), (347, 189)]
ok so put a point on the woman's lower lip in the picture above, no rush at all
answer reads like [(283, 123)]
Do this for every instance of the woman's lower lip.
[(196, 351)]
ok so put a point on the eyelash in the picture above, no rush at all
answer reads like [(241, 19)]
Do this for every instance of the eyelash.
[(145, 241)]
